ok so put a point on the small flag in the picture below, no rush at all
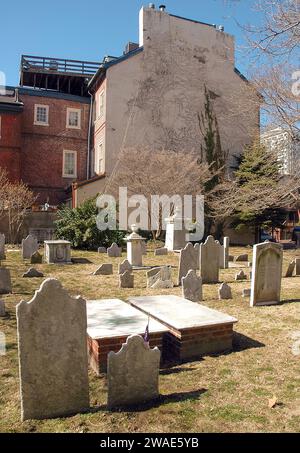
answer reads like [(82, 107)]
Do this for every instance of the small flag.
[(146, 334)]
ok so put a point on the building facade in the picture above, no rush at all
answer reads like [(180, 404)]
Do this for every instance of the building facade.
[(287, 148)]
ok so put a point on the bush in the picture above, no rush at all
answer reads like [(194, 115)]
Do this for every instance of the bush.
[(78, 225)]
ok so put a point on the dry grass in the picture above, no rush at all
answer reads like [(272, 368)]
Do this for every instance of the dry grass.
[(226, 393)]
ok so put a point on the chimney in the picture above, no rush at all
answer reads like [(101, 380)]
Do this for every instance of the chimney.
[(221, 27), (151, 6), (162, 7)]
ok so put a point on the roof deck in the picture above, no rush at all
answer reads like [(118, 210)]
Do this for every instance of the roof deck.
[(67, 76)]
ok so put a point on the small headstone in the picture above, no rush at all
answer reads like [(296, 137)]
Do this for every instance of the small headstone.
[(192, 286), (297, 263), (161, 274), (104, 269), (124, 266), (36, 258), (2, 246), (188, 259), (161, 251), (162, 284), (267, 272), (29, 246), (102, 250), (53, 359), (290, 269), (246, 292), (243, 257), (33, 273), (225, 292), (2, 308), (224, 253), (126, 280), (114, 251), (210, 260), (132, 373), (230, 258), (241, 275), (249, 264), (5, 281)]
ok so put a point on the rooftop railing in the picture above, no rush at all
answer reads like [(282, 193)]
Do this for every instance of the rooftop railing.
[(58, 65)]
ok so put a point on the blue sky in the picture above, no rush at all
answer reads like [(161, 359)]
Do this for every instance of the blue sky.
[(91, 29)]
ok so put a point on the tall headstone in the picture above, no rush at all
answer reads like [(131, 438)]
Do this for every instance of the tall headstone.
[(134, 247), (53, 357), (2, 246), (5, 281), (29, 246), (224, 253), (188, 259), (2, 308), (210, 260), (266, 274), (290, 269), (132, 373), (192, 286)]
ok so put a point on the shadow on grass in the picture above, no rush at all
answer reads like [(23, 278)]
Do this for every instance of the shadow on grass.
[(159, 401), (175, 370), (288, 301), (242, 342), (81, 261)]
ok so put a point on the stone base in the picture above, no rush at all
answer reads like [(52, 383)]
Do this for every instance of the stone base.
[(262, 304)]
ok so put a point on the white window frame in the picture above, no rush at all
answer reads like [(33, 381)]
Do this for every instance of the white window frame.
[(101, 109), (99, 171), (70, 110), (41, 123), (74, 175)]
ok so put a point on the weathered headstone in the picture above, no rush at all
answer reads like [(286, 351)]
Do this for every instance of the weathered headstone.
[(2, 246), (266, 274), (36, 258), (160, 277), (243, 257), (188, 259), (224, 253), (240, 276), (104, 269), (126, 280), (290, 269), (53, 359), (297, 263), (5, 281), (114, 251), (132, 373), (29, 246), (246, 292), (192, 286), (2, 308), (161, 251), (124, 266), (210, 260), (225, 291), (33, 273), (101, 249)]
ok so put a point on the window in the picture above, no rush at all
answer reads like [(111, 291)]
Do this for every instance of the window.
[(41, 115), (69, 164), (101, 101), (99, 161), (73, 118)]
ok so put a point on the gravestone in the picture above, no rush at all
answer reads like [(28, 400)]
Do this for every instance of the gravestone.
[(134, 247), (161, 251), (132, 373), (225, 292), (297, 263), (5, 281), (243, 257), (210, 260), (2, 308), (290, 269), (36, 258), (53, 359), (159, 277), (124, 266), (188, 259), (144, 248), (33, 273), (266, 274), (126, 280), (104, 269), (224, 253), (58, 252), (246, 292), (240, 276), (101, 249), (29, 246), (192, 286), (2, 246), (114, 251)]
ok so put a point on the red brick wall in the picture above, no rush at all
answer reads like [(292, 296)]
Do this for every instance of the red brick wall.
[(10, 144), (43, 146)]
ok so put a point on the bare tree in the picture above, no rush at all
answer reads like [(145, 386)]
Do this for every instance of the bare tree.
[(3, 188)]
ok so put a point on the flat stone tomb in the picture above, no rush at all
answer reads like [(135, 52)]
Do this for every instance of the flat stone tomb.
[(58, 252), (194, 329), (110, 322)]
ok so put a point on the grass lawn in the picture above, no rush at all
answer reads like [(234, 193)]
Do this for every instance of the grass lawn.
[(226, 393)]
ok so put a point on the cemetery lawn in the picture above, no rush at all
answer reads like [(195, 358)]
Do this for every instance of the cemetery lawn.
[(225, 393)]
